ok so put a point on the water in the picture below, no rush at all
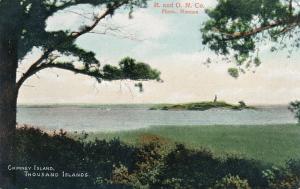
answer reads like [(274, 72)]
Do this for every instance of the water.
[(127, 117)]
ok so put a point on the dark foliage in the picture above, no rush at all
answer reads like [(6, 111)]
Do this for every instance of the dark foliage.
[(25, 23), (200, 169), (189, 169), (240, 28), (112, 164), (295, 108), (97, 158), (130, 69), (246, 169)]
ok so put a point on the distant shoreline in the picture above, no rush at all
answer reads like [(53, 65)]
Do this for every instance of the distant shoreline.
[(82, 105), (202, 106)]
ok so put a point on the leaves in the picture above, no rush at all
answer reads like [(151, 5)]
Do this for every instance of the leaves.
[(130, 69), (295, 108), (28, 19), (234, 72), (238, 27)]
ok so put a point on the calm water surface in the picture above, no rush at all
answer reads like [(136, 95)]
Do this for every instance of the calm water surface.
[(126, 117)]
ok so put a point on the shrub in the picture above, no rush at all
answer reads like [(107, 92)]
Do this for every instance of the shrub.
[(295, 108), (113, 164), (284, 178), (184, 168), (148, 167), (281, 179), (294, 167), (242, 104), (97, 158), (232, 182), (246, 169)]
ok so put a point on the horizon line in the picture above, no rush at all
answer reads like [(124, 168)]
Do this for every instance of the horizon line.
[(95, 104)]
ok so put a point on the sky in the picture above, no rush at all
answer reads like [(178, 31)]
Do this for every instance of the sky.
[(170, 43)]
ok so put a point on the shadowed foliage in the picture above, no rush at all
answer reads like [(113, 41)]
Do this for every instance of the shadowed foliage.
[(113, 164)]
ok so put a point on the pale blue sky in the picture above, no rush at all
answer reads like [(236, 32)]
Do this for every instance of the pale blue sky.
[(182, 36)]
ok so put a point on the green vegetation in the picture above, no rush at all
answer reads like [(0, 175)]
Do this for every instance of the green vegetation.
[(238, 29), (269, 143), (114, 164), (295, 108), (200, 106), (58, 49)]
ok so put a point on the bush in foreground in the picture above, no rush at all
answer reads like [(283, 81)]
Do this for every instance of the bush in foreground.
[(232, 182), (113, 164)]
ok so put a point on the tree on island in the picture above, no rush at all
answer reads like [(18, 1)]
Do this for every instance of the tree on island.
[(23, 27), (239, 27)]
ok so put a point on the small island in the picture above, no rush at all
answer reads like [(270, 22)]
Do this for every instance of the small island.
[(202, 106)]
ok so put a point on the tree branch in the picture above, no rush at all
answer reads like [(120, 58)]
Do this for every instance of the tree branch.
[(33, 69), (87, 29), (128, 68), (38, 65), (238, 35), (70, 67), (64, 66)]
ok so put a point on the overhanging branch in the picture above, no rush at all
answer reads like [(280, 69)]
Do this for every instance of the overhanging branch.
[(64, 66), (87, 29), (40, 63), (293, 22)]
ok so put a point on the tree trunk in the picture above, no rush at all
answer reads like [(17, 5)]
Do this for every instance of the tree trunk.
[(8, 103)]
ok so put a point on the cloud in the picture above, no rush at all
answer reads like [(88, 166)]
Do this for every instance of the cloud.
[(74, 17), (71, 18), (185, 80), (209, 3), (144, 24)]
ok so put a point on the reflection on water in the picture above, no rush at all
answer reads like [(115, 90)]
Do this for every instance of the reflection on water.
[(120, 117)]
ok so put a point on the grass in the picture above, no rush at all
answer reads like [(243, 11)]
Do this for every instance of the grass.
[(200, 106), (269, 143)]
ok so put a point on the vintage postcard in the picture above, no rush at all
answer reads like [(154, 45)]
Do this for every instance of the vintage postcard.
[(149, 94)]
